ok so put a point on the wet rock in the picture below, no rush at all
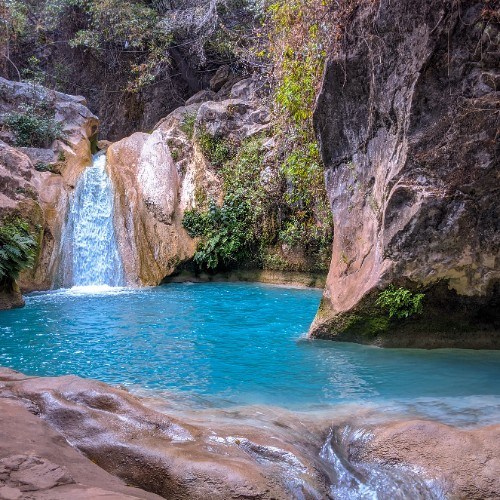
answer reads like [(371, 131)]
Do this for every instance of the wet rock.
[(236, 453), (11, 298), (465, 463), (407, 130), (162, 454), (37, 463)]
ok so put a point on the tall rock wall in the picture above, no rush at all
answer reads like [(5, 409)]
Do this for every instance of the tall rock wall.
[(408, 131)]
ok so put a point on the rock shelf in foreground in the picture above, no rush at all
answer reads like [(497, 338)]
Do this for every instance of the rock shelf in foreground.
[(208, 455)]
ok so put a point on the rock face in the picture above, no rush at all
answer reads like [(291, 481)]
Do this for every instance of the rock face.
[(147, 218), (37, 463), (407, 129), (41, 197), (159, 453), (430, 446), (158, 176)]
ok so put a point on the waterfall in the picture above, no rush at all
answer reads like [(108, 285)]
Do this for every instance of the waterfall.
[(89, 250)]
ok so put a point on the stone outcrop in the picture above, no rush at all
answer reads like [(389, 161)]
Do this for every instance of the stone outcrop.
[(148, 222), (407, 126), (465, 461), (233, 454), (159, 453), (37, 463), (41, 195), (158, 176)]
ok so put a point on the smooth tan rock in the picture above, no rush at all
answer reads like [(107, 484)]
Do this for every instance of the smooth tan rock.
[(147, 217), (37, 463), (467, 462), (260, 452), (160, 453)]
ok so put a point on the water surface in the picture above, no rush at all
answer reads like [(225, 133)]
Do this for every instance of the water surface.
[(224, 344)]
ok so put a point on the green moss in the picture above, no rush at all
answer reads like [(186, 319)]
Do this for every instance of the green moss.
[(373, 326)]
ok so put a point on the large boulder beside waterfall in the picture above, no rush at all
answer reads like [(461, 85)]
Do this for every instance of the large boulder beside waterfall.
[(408, 132), (148, 222), (37, 182)]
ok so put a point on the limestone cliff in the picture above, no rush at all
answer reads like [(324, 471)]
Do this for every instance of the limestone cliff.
[(36, 182), (408, 132)]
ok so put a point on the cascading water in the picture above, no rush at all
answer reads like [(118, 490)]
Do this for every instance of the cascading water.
[(89, 250)]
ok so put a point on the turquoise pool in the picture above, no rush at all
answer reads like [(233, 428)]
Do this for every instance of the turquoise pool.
[(223, 344)]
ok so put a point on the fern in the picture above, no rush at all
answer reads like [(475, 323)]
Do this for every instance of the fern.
[(401, 302), (17, 249)]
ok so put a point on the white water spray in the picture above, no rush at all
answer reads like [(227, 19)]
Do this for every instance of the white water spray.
[(89, 250)]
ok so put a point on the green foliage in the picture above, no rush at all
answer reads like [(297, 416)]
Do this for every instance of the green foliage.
[(217, 150), (126, 26), (226, 232), (298, 31), (400, 302), (229, 234), (245, 168), (112, 22), (17, 249), (34, 125), (302, 166), (187, 125)]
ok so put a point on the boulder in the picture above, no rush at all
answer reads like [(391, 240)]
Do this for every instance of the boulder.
[(407, 130), (156, 452), (465, 463), (221, 76), (148, 220), (202, 96), (238, 453), (36, 462), (233, 118)]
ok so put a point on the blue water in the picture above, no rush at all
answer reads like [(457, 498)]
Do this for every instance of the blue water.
[(230, 344)]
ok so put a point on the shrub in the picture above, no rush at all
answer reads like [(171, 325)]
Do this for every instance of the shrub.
[(17, 250), (400, 303), (225, 232), (34, 125), (217, 150), (187, 125)]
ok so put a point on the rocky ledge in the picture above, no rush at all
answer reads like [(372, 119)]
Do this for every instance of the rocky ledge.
[(217, 454)]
